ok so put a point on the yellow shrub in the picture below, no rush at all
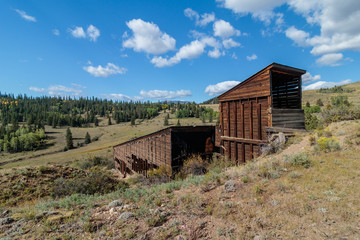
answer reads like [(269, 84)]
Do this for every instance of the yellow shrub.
[(328, 144)]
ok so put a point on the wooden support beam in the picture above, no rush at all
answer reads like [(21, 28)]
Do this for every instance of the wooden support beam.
[(235, 112), (259, 121), (251, 120), (243, 140), (242, 122), (228, 115)]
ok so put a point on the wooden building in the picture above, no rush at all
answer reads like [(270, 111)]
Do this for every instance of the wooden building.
[(269, 98), (167, 147)]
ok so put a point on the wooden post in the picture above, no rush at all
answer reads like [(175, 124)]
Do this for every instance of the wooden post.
[(228, 115), (259, 121), (251, 120), (235, 111)]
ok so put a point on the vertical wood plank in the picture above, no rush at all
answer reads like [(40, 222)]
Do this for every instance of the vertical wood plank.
[(259, 120), (235, 111), (242, 121), (228, 115), (251, 120)]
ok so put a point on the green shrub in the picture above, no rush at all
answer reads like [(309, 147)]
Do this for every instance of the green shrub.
[(326, 144), (96, 161), (96, 181), (300, 159)]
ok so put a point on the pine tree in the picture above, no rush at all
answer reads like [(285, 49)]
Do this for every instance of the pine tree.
[(132, 121), (203, 117), (166, 121), (87, 138), (307, 104), (210, 116), (69, 139), (319, 102), (96, 121), (178, 123), (109, 121)]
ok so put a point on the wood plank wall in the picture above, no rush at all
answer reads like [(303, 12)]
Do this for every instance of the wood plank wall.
[(243, 125), (154, 150)]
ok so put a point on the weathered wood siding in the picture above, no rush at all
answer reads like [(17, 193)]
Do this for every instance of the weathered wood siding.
[(144, 153), (271, 97), (243, 125)]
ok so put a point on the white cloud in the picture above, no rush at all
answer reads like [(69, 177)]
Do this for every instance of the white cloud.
[(220, 87), (93, 33), (308, 78), (56, 32), (164, 94), (202, 20), (25, 16), (189, 51), (109, 69), (252, 57), (36, 89), (121, 97), (230, 43), (331, 59), (58, 90), (260, 9), (77, 85), (224, 29), (234, 56), (215, 53), (78, 32), (323, 84), (298, 36), (148, 38)]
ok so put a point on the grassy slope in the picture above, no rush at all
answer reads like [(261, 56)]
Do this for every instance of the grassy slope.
[(273, 200), (313, 95), (108, 137)]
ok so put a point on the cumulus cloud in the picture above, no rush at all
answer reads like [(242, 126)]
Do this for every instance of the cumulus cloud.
[(260, 9), (220, 88), (148, 38), (189, 51), (202, 20), (224, 29), (93, 33), (252, 57), (58, 90), (25, 16), (56, 32), (230, 43), (164, 94), (323, 84), (215, 53), (109, 69), (298, 36), (331, 59), (121, 97), (308, 78), (78, 32)]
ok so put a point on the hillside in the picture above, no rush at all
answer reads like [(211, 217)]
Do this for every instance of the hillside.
[(312, 96), (304, 191), (108, 136)]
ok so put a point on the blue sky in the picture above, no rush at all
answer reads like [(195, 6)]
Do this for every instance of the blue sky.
[(172, 50)]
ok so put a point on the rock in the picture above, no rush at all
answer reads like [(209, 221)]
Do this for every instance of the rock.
[(6, 220), (5, 213), (126, 216), (274, 202), (115, 203), (230, 186), (322, 210), (180, 237), (126, 206)]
